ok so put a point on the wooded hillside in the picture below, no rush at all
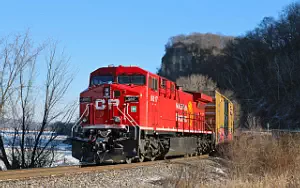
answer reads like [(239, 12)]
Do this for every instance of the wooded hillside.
[(261, 68)]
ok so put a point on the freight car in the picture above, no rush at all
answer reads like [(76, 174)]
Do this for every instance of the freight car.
[(130, 114), (219, 116)]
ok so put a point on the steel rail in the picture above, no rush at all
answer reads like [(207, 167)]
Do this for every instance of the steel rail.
[(35, 173)]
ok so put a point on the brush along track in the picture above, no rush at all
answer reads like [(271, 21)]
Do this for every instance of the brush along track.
[(10, 175)]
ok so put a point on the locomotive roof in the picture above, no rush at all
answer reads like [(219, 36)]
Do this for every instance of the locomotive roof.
[(130, 69), (116, 70)]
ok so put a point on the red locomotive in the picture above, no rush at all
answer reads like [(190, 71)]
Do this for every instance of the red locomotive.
[(128, 114)]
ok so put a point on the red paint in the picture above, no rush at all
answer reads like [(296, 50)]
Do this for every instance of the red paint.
[(158, 109)]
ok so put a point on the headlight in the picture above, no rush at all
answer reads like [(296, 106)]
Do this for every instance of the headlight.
[(106, 92), (117, 119), (78, 129), (85, 119)]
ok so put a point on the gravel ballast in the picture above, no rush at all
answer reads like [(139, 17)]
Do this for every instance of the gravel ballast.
[(168, 174)]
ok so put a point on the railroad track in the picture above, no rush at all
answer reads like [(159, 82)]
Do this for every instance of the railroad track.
[(67, 170)]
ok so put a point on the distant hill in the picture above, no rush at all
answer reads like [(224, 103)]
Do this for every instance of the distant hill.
[(186, 54)]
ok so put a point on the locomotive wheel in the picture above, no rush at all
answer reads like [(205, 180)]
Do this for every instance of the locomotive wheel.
[(128, 160), (149, 157), (141, 158), (152, 158)]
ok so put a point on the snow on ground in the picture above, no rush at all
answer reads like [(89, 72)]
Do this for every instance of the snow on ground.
[(219, 170), (2, 165), (61, 158), (63, 152), (64, 158)]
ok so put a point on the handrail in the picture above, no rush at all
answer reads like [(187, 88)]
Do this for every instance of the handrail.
[(76, 123), (131, 120), (130, 116), (123, 113)]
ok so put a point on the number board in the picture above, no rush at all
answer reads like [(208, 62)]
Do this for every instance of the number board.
[(131, 99), (85, 99)]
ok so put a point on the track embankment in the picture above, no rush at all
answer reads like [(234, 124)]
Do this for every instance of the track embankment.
[(10, 175)]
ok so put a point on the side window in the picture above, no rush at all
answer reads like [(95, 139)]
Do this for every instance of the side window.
[(155, 84), (150, 82), (163, 84), (172, 87)]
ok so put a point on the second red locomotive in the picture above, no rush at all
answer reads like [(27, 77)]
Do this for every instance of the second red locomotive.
[(128, 114)]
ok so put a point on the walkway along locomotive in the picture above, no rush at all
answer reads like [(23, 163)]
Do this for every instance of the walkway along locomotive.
[(129, 114)]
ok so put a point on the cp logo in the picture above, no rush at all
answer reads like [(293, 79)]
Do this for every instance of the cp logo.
[(100, 104)]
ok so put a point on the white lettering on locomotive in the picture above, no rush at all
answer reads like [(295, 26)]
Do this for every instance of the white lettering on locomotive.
[(114, 102), (181, 107), (100, 104), (153, 98)]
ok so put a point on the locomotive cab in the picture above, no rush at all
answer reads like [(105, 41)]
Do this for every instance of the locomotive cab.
[(112, 94)]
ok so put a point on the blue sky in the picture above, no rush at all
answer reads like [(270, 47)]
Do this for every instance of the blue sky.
[(97, 33)]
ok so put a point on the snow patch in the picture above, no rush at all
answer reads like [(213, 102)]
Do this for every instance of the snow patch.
[(147, 179), (219, 170), (2, 165), (62, 153)]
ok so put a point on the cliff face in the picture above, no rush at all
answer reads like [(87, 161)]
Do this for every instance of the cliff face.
[(191, 54), (195, 62)]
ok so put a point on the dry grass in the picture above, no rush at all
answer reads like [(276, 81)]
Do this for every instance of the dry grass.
[(185, 175), (258, 160), (255, 160), (285, 181), (257, 155)]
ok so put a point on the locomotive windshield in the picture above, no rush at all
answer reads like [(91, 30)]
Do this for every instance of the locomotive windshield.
[(132, 79), (97, 80)]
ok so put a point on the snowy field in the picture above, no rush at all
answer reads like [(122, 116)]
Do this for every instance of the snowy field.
[(63, 150)]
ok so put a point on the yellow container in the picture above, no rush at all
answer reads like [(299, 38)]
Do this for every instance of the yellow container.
[(223, 118)]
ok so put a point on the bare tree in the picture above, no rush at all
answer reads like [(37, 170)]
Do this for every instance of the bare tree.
[(197, 83), (30, 151), (58, 80), (15, 54)]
